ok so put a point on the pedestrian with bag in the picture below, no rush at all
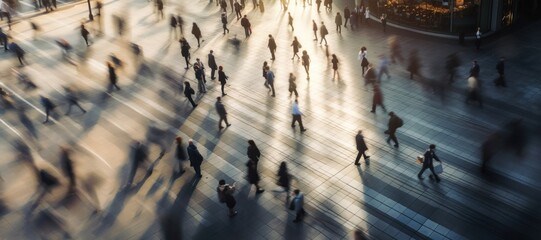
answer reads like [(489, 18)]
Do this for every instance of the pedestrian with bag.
[(188, 92), (394, 123), (196, 159), (253, 176), (428, 162), (297, 204), (292, 85), (323, 32), (225, 195), (362, 148)]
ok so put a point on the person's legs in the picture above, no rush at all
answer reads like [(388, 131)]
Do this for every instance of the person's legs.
[(420, 174), (293, 121), (225, 120), (272, 88), (392, 135), (220, 121), (300, 123), (358, 158), (223, 85), (434, 173)]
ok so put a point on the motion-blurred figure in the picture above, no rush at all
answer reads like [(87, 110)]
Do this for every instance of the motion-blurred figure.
[(500, 67), (138, 159), (24, 79), (414, 64), (185, 51), (512, 137), (72, 99), (27, 123), (49, 107), (66, 164), (451, 63), (7, 100), (19, 52), (396, 52), (474, 91)]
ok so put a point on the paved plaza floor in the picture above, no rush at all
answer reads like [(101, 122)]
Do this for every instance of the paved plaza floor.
[(383, 200)]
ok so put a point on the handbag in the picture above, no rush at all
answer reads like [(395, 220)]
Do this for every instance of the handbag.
[(420, 159), (292, 205), (438, 169)]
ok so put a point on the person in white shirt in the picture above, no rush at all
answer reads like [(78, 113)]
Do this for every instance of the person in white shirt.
[(478, 38), (297, 115)]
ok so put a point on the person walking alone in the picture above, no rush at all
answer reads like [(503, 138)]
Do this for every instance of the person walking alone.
[(185, 51), (296, 45), (113, 78), (314, 28), (394, 123), (377, 99), (173, 26), (297, 115), (270, 81), (363, 58), (428, 162), (306, 63), (383, 67), (272, 47), (72, 99), (298, 205), (253, 152), (414, 64), (188, 92), (478, 39), (67, 167), (49, 107), (362, 148), (225, 195), (347, 15), (245, 23), (212, 65), (290, 21), (253, 176), (323, 33), (338, 21), (84, 34), (335, 63), (197, 34), (500, 67), (383, 19), (180, 155), (220, 108), (224, 22), (292, 86), (284, 179), (196, 159), (222, 78)]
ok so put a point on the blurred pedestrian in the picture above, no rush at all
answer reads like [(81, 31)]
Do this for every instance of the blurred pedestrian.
[(383, 19), (306, 63), (284, 179), (197, 33), (180, 155), (253, 152), (377, 99), (72, 99), (19, 52), (362, 148), (49, 107), (223, 6), (261, 6), (245, 23), (338, 22), (220, 109), (290, 21), (113, 78), (225, 195), (264, 69), (318, 4), (335, 63), (367, 15), (323, 33), (185, 51), (180, 23), (159, 7), (475, 69), (347, 15), (188, 92), (296, 45), (428, 163), (414, 64), (238, 8), (212, 65), (394, 123), (139, 159), (224, 22), (199, 71), (297, 115), (99, 6), (314, 28), (363, 58), (36, 29), (222, 78), (451, 64), (67, 167), (500, 67), (4, 39), (298, 205), (478, 39), (173, 26), (383, 67), (292, 85), (85, 33), (272, 47), (474, 91), (196, 159), (270, 81), (253, 176), (396, 52)]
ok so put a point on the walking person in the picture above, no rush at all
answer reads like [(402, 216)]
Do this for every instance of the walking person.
[(367, 15), (197, 34), (224, 22), (49, 108), (188, 92), (173, 26), (362, 148), (180, 23), (394, 123), (383, 19), (270, 81), (185, 51), (306, 63), (414, 64), (296, 45), (272, 47), (297, 115), (253, 152), (199, 70), (500, 67), (284, 179), (298, 205), (290, 21), (451, 64), (72, 99), (238, 8), (212, 64), (245, 23), (396, 52), (335, 63), (196, 159), (223, 6), (363, 59), (338, 21), (99, 6), (222, 78), (139, 158), (478, 39), (225, 195), (383, 67), (292, 86), (253, 176), (377, 99), (66, 164), (318, 4), (347, 15), (85, 33), (19, 52), (180, 155), (264, 69), (475, 69), (323, 33), (261, 6), (220, 108), (113, 78), (474, 91), (159, 7), (4, 39), (428, 162), (314, 28)]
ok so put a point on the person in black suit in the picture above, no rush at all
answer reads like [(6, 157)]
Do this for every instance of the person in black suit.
[(253, 152), (113, 79), (394, 123), (361, 147), (272, 46), (188, 92), (429, 157), (500, 81), (475, 69), (222, 78), (195, 158), (220, 108), (49, 107), (212, 65)]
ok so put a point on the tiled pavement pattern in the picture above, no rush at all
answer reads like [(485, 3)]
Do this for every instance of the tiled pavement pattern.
[(382, 201)]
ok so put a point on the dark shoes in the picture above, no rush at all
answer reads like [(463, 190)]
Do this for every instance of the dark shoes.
[(396, 145), (420, 177), (233, 214), (259, 191), (303, 130), (358, 164)]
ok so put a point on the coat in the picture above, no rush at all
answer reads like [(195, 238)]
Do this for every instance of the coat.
[(361, 145), (222, 77), (272, 44), (188, 91), (295, 45), (253, 153), (212, 62), (253, 176), (220, 108), (195, 157), (180, 153), (394, 123), (430, 156), (196, 32), (283, 178), (338, 20), (185, 49)]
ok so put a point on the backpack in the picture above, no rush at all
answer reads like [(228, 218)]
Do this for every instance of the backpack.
[(400, 122)]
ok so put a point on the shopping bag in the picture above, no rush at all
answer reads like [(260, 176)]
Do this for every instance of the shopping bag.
[(438, 169)]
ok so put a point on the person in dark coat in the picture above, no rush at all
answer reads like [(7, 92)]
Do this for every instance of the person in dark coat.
[(314, 28), (272, 47), (113, 79), (362, 148), (159, 6), (475, 69), (173, 26), (296, 45), (49, 107), (222, 78), (196, 159), (500, 67), (197, 33), (200, 76), (139, 157), (253, 152), (4, 39), (306, 63), (212, 65), (220, 108), (238, 8), (284, 179), (451, 64), (323, 32), (394, 123), (72, 99), (245, 23), (377, 99), (188, 92), (180, 23), (185, 51), (67, 167), (84, 34), (414, 63), (180, 154), (429, 157), (347, 14), (292, 85), (19, 52), (225, 193), (338, 22), (224, 22), (253, 176)]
